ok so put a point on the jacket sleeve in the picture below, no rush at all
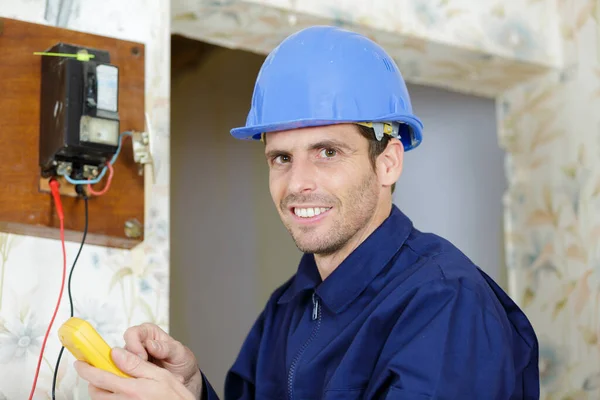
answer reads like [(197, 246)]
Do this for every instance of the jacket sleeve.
[(208, 393), (240, 381), (450, 342)]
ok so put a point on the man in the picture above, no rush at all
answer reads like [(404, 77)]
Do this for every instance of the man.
[(377, 309)]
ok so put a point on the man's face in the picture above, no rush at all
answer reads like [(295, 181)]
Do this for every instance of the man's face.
[(323, 185)]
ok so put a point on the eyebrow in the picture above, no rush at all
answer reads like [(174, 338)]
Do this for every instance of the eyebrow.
[(328, 143)]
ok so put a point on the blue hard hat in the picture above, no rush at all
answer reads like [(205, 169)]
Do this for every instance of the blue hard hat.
[(326, 75)]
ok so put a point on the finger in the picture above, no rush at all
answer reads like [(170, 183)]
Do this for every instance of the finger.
[(134, 366), (136, 336), (173, 356), (134, 339), (169, 351), (99, 378)]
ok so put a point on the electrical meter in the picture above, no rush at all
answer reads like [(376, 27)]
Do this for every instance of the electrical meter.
[(79, 120)]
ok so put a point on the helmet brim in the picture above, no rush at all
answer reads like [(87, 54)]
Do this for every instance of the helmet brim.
[(415, 127)]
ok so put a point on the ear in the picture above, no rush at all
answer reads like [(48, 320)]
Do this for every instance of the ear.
[(390, 163)]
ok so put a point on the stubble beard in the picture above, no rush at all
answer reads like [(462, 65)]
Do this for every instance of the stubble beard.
[(359, 208)]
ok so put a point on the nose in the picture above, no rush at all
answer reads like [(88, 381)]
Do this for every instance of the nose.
[(302, 177)]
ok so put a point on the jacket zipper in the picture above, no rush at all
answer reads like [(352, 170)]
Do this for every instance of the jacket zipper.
[(316, 316)]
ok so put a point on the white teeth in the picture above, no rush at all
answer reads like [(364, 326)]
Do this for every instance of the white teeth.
[(309, 212)]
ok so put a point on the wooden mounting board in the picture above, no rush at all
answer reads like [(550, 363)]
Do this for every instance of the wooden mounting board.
[(25, 207)]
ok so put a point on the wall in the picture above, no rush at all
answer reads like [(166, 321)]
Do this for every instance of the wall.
[(479, 26), (453, 185), (478, 47), (113, 289), (551, 128)]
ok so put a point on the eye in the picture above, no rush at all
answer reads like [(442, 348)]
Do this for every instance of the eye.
[(282, 159), (328, 153)]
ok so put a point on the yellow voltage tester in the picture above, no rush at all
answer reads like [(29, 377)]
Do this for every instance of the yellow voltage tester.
[(84, 342)]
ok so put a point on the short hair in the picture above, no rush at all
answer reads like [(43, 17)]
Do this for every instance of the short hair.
[(376, 147)]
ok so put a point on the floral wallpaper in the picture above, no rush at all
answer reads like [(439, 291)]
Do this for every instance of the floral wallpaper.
[(551, 130), (514, 29), (112, 289), (541, 61), (478, 47)]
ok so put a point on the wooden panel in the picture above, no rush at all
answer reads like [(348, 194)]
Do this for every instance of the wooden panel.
[(24, 207)]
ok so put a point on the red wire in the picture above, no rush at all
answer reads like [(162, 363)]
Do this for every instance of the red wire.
[(111, 171), (54, 185)]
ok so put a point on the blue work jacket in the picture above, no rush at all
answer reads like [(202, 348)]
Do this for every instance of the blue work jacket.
[(406, 316)]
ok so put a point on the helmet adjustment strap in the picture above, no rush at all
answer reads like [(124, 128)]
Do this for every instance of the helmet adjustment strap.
[(380, 128)]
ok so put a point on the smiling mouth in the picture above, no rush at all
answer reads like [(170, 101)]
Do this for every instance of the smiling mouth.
[(309, 212)]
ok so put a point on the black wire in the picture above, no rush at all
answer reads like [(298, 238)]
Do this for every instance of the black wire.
[(85, 230)]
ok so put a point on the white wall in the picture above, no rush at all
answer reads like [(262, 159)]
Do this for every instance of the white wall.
[(453, 184), (226, 261)]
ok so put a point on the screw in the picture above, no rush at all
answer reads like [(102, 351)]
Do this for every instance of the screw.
[(133, 228)]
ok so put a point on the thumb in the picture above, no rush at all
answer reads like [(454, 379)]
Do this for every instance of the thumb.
[(133, 365)]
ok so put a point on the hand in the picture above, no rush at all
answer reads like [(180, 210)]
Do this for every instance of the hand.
[(147, 382), (153, 344)]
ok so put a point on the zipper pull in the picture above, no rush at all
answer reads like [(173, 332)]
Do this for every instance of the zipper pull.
[(315, 312)]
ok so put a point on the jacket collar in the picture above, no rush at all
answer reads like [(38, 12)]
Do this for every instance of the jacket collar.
[(357, 271)]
